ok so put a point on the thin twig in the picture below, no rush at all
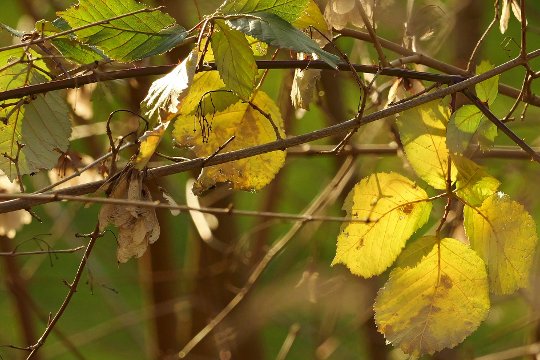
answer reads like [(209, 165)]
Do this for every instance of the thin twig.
[(269, 256), (72, 289), (42, 252), (435, 64), (333, 130), (501, 126), (475, 52), (78, 81), (373, 35)]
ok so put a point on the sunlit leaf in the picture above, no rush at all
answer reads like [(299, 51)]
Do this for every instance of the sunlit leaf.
[(250, 128), (436, 303), (390, 208), (285, 9), (149, 143), (312, 16), (303, 86), (423, 134), (487, 90), (166, 93), (234, 60), (277, 32), (503, 233), (70, 48), (473, 183), (40, 123), (126, 39), (465, 125)]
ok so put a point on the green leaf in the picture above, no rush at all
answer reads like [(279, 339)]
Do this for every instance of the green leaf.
[(435, 304), (70, 48), (473, 183), (234, 60), (275, 31), (390, 208), (41, 123), (250, 128), (465, 124), (487, 90), (285, 9), (503, 233), (126, 39), (423, 134)]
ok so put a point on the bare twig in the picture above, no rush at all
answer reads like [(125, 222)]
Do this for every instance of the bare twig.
[(72, 289), (333, 130), (436, 64), (501, 126), (41, 252), (337, 182), (78, 81)]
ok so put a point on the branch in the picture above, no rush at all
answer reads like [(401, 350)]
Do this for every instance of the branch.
[(160, 205), (436, 64), (41, 252), (262, 64), (501, 126), (343, 127), (338, 182), (72, 289), (496, 152)]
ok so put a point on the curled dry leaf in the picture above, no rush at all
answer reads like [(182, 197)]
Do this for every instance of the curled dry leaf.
[(303, 86), (138, 226), (505, 14), (11, 222), (166, 93)]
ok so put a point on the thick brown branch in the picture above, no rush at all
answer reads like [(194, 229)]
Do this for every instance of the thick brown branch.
[(436, 64), (262, 64), (333, 130)]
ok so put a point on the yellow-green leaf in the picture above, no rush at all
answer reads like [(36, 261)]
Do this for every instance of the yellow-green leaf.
[(503, 233), (465, 125), (423, 133), (286, 9), (473, 183), (390, 208), (250, 128), (435, 304), (487, 90), (312, 16), (149, 143), (234, 60)]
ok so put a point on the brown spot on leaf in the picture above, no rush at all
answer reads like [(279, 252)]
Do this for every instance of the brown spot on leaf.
[(446, 282), (408, 208)]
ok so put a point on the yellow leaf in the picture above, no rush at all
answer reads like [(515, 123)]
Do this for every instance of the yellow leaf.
[(391, 208), (436, 303), (423, 133), (503, 233), (250, 128), (149, 143), (312, 16)]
